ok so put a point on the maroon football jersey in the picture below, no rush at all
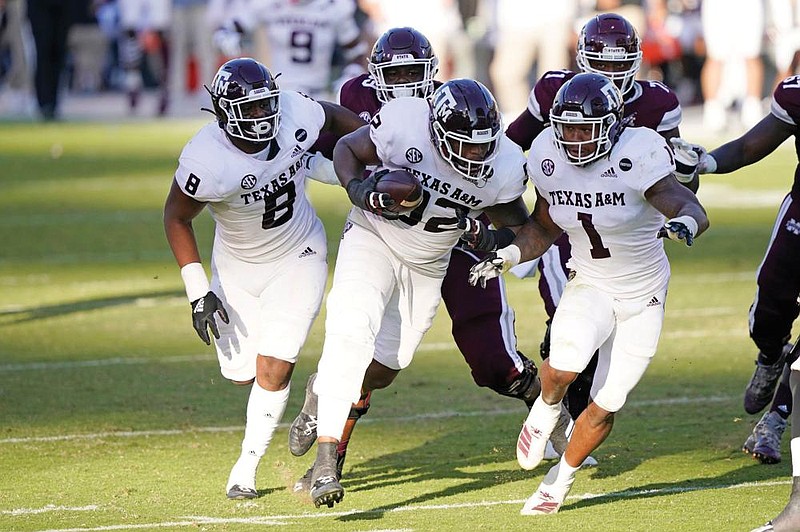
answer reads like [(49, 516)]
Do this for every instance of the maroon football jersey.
[(786, 107), (649, 104)]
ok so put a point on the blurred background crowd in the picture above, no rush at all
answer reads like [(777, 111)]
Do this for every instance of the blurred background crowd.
[(723, 55)]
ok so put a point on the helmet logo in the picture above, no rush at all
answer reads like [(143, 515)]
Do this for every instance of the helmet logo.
[(612, 94), (221, 82), (444, 104), (402, 58)]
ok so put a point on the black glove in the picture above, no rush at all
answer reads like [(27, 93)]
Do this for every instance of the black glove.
[(362, 194), (203, 310), (476, 235), (479, 237)]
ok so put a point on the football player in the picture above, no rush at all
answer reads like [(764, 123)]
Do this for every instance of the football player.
[(389, 270), (403, 63), (776, 306), (302, 36), (608, 44), (249, 169), (609, 187)]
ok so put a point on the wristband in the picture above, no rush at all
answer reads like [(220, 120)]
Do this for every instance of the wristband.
[(710, 164), (688, 221), (195, 281), (511, 255)]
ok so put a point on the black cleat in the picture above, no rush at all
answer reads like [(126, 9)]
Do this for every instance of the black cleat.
[(303, 432), (325, 486), (238, 492), (761, 388)]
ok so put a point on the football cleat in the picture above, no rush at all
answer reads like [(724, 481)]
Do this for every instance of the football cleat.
[(241, 492), (303, 431), (303, 484), (761, 387), (532, 439), (325, 486), (768, 433), (549, 496), (765, 528)]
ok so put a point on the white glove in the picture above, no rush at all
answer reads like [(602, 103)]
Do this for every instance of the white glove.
[(686, 159), (229, 42), (494, 265), (682, 228)]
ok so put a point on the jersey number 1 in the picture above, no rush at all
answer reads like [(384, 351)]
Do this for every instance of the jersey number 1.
[(598, 250)]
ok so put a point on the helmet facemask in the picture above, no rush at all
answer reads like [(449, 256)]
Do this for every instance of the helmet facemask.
[(590, 150), (454, 146), (420, 88)]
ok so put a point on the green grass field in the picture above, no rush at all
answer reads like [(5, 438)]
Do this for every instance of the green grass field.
[(114, 416)]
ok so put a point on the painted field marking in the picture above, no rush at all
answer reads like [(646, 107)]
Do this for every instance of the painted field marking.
[(278, 520)]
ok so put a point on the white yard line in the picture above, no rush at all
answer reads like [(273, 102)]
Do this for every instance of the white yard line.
[(282, 520)]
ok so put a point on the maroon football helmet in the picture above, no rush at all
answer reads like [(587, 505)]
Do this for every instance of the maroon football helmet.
[(593, 100), (611, 40), (245, 98), (397, 48), (465, 120)]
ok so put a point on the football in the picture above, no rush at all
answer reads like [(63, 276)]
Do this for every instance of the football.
[(404, 188)]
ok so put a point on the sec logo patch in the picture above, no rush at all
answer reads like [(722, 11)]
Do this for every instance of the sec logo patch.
[(413, 155), (248, 181), (548, 167)]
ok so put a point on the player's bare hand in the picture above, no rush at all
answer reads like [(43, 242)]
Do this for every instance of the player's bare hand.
[(203, 310)]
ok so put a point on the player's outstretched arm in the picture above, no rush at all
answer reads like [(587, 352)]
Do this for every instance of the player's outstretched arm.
[(758, 142)]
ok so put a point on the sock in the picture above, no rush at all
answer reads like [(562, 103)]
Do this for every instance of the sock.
[(795, 447), (545, 416), (566, 473), (331, 416), (264, 412), (782, 403)]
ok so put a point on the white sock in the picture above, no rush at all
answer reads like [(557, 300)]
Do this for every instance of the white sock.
[(795, 447), (566, 473), (264, 412), (546, 416), (331, 416)]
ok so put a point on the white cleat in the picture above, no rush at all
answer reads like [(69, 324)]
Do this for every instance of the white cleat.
[(549, 496), (536, 430)]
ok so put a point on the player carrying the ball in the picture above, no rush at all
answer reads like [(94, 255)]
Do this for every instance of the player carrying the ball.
[(390, 264)]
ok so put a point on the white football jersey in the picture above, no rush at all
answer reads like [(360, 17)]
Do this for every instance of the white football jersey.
[(424, 237), (302, 37), (259, 206), (602, 208)]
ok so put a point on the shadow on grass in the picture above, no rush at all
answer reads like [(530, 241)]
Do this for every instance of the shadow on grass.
[(29, 314)]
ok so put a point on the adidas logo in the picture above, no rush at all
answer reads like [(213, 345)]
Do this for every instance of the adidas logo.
[(297, 150), (654, 302), (307, 253), (609, 173)]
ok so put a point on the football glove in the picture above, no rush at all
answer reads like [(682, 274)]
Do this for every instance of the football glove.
[(686, 160), (681, 228), (203, 310), (479, 237), (362, 194), (494, 265)]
